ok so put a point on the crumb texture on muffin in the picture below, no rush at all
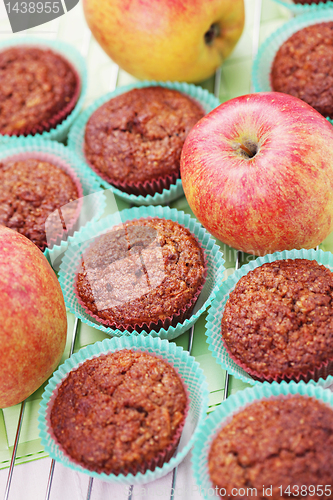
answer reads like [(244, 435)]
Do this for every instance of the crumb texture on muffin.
[(36, 85), (117, 412), (143, 271), (278, 443), (303, 67), (31, 191), (138, 136), (279, 318)]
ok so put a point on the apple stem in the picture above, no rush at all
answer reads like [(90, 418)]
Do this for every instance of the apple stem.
[(213, 32), (246, 150)]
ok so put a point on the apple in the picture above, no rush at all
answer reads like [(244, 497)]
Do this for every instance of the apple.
[(178, 40), (32, 317), (257, 171)]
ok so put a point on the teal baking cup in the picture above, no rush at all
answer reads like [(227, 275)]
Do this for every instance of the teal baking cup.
[(81, 241), (76, 137), (234, 404), (73, 56), (297, 8), (214, 318), (92, 202), (262, 64), (188, 370)]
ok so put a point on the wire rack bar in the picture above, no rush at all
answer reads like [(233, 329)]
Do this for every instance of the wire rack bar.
[(174, 472), (90, 485), (12, 462), (227, 377), (52, 467)]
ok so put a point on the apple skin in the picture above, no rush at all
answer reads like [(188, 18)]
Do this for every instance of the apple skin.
[(164, 39), (33, 321), (281, 198)]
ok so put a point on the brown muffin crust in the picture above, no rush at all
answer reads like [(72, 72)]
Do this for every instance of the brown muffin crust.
[(138, 136), (117, 412), (276, 442), (36, 86), (141, 272), (303, 67), (31, 190), (278, 321)]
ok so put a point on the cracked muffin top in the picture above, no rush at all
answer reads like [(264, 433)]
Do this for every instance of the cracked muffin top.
[(38, 89), (138, 136), (144, 271), (117, 412), (281, 443), (278, 321), (303, 67), (31, 191)]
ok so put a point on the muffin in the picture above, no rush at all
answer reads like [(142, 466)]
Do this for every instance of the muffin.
[(120, 413), (31, 191), (303, 67), (134, 140), (38, 90), (278, 321), (275, 448), (144, 274)]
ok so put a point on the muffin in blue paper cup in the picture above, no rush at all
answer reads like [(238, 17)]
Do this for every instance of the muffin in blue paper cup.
[(296, 59), (49, 78), (132, 138), (47, 194), (271, 319), (269, 441), (142, 405), (145, 269)]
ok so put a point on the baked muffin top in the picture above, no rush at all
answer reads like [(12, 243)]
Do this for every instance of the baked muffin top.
[(31, 190), (138, 136), (36, 86), (143, 271), (278, 443), (279, 318), (303, 67), (118, 411)]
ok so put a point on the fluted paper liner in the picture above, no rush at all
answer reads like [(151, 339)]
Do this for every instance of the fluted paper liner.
[(188, 370), (214, 260), (214, 318), (262, 64), (57, 128), (234, 404), (76, 141)]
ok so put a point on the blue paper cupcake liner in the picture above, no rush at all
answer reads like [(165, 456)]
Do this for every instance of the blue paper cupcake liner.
[(93, 201), (232, 405), (76, 136), (262, 64), (59, 133), (214, 278), (187, 368), (214, 318)]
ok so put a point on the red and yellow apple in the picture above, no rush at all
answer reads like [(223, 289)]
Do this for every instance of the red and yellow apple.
[(32, 317), (257, 171), (182, 40)]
